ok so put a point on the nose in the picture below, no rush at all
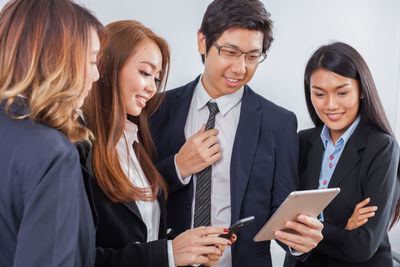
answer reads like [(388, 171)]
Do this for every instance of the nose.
[(332, 103), (151, 87), (239, 65)]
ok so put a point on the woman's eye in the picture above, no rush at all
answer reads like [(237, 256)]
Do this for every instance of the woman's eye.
[(145, 73), (318, 94), (342, 93)]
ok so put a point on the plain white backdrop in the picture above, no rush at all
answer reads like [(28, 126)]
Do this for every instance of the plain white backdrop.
[(300, 27)]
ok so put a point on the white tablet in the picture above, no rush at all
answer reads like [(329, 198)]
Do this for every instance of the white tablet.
[(307, 202)]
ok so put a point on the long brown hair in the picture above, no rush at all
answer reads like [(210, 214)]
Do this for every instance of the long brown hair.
[(105, 114), (344, 60), (43, 55)]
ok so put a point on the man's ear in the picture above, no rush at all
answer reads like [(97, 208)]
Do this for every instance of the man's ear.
[(201, 43)]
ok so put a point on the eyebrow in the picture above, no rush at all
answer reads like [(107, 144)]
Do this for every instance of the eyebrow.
[(336, 88), (238, 48), (149, 63)]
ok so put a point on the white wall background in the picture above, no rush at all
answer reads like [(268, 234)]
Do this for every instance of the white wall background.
[(371, 26), (300, 27)]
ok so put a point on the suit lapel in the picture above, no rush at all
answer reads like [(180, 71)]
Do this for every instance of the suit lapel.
[(314, 161), (133, 208), (350, 155), (244, 148), (179, 111)]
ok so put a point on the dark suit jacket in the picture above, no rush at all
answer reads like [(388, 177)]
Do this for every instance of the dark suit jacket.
[(121, 234), (366, 168), (45, 218), (263, 166)]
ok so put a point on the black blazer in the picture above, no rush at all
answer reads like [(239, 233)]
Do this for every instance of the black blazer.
[(263, 167), (366, 168), (45, 218), (121, 234)]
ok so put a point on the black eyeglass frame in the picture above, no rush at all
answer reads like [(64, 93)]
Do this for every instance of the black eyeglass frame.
[(261, 58)]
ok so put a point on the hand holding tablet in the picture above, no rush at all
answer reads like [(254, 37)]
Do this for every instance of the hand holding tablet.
[(306, 202)]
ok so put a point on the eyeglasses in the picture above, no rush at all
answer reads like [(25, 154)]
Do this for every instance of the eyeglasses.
[(233, 53)]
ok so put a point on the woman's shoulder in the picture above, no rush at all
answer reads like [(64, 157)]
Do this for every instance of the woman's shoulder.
[(307, 134), (40, 139), (378, 139)]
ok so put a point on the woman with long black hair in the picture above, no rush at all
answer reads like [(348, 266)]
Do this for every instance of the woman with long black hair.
[(352, 147)]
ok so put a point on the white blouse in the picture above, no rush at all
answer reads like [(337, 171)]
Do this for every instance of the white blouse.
[(149, 210)]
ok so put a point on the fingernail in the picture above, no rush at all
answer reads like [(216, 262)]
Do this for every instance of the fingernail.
[(216, 246), (289, 224), (301, 217), (229, 243), (234, 236), (375, 208), (226, 230), (278, 234)]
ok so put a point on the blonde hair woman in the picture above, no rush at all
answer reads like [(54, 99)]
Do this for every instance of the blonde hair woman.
[(47, 65)]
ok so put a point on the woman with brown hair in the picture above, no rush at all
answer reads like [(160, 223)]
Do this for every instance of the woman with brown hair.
[(128, 192), (47, 65)]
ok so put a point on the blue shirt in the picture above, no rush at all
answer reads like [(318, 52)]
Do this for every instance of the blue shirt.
[(331, 154)]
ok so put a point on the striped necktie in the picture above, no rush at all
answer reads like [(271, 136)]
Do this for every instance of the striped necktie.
[(202, 209)]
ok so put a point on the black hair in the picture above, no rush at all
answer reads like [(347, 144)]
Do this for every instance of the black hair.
[(222, 15), (344, 60)]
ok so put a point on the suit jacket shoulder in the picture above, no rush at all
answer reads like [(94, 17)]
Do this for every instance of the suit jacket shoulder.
[(42, 185)]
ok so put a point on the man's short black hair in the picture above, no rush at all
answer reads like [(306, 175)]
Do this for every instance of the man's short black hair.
[(222, 15)]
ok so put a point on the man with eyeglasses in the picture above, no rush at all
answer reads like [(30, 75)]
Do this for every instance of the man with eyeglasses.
[(225, 151)]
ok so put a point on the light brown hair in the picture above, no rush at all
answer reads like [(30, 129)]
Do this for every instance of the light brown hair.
[(43, 53), (105, 114)]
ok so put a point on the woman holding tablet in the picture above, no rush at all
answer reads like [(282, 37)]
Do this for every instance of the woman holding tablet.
[(351, 147), (128, 191)]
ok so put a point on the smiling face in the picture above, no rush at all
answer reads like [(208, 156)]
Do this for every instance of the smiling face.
[(139, 77), (225, 76), (336, 100), (92, 73)]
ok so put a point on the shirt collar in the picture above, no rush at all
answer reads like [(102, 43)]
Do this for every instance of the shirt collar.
[(130, 132), (326, 136), (225, 102)]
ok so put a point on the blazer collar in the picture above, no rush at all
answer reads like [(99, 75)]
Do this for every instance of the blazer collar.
[(350, 155), (19, 107), (349, 158), (180, 104), (245, 143)]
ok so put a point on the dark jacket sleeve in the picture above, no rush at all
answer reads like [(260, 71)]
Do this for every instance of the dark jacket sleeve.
[(150, 254), (57, 227), (360, 244), (167, 169)]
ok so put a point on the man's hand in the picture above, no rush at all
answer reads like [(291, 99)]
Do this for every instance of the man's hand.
[(307, 234), (199, 151), (360, 215)]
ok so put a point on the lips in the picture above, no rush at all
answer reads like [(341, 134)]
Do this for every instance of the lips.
[(232, 82), (141, 100), (334, 116)]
